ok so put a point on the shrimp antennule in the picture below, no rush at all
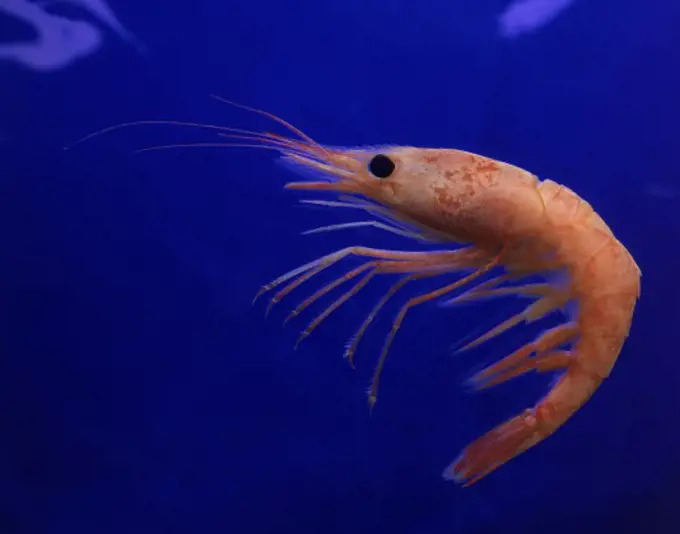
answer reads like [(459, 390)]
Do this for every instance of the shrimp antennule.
[(284, 123), (307, 147)]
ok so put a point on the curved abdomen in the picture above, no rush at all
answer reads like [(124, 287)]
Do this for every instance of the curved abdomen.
[(604, 280)]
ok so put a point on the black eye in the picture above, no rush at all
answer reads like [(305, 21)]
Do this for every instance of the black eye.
[(381, 166)]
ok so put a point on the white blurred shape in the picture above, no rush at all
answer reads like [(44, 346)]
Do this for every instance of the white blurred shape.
[(60, 41), (101, 10), (526, 16)]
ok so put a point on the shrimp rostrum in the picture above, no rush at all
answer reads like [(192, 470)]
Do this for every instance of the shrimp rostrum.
[(498, 225)]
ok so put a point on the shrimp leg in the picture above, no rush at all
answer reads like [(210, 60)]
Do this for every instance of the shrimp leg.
[(434, 264), (544, 362), (527, 290), (379, 266), (518, 362), (352, 345), (373, 268), (396, 324), (535, 311), (314, 267)]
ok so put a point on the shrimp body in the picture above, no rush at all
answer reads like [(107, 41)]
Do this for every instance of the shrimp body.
[(603, 281), (489, 216), (514, 221)]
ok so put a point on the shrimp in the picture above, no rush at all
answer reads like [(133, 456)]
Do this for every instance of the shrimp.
[(489, 216)]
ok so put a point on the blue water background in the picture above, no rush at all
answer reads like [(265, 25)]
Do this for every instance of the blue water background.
[(141, 393)]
